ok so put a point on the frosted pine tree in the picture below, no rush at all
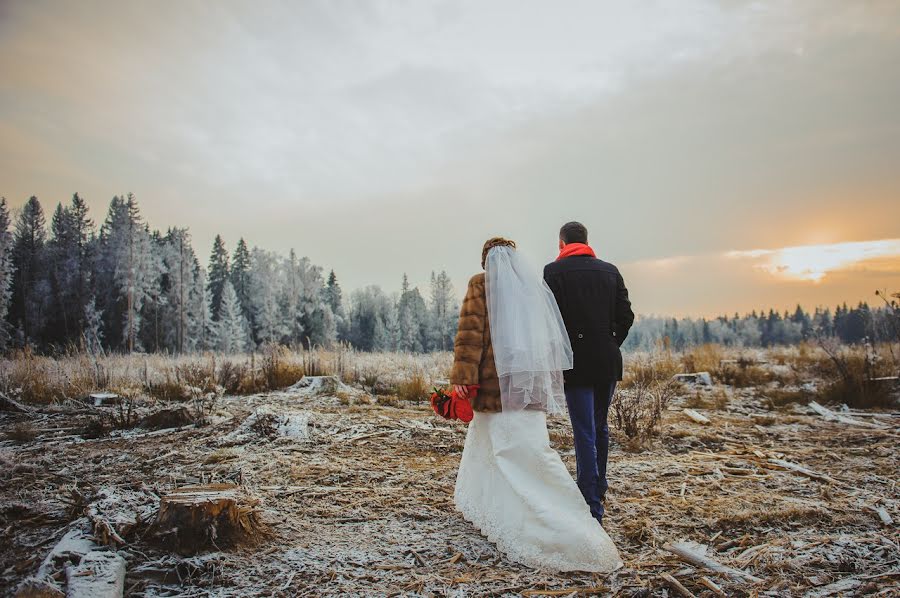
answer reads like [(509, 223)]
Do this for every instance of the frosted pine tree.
[(264, 286), (178, 268), (92, 331), (380, 339), (333, 297), (69, 270), (129, 272), (291, 301), (240, 278), (218, 274), (6, 273), (203, 333), (441, 319), (412, 317), (30, 289), (231, 330), (392, 324)]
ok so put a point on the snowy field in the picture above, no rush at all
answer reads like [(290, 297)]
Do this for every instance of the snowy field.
[(353, 487)]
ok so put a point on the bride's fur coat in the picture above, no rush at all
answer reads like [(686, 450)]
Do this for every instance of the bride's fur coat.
[(473, 359)]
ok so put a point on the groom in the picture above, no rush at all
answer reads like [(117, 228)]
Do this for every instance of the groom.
[(594, 303)]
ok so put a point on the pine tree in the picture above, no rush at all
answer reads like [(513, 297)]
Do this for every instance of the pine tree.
[(333, 297), (332, 292), (92, 332), (69, 266), (442, 322), (29, 281), (231, 329), (205, 332), (178, 268), (240, 278), (264, 285), (130, 273), (6, 273), (218, 274)]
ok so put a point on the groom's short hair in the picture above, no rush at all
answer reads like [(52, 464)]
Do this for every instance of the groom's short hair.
[(573, 232)]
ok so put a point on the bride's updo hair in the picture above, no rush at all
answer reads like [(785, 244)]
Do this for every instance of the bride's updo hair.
[(494, 242)]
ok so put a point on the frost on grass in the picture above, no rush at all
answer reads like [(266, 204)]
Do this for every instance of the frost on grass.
[(357, 495)]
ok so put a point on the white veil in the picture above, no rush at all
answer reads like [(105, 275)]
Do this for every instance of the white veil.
[(531, 346)]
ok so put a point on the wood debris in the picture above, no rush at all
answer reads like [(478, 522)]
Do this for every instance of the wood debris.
[(356, 498)]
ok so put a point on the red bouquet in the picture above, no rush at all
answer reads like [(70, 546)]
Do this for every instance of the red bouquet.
[(453, 406)]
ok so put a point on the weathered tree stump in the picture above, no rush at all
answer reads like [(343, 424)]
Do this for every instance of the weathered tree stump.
[(195, 518)]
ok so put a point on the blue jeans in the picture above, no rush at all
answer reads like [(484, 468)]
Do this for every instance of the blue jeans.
[(589, 410)]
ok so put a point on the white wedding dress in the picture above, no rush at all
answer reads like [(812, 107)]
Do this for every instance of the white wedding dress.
[(515, 488)]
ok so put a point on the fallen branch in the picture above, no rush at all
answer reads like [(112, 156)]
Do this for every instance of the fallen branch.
[(713, 587), (803, 471), (676, 585), (830, 415), (690, 553), (8, 404)]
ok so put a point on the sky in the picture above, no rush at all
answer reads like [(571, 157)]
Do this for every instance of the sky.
[(727, 156)]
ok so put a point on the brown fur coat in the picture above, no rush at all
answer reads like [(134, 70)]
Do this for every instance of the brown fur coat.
[(473, 358)]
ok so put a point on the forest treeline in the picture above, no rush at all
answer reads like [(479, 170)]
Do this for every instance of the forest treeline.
[(123, 287), (849, 325)]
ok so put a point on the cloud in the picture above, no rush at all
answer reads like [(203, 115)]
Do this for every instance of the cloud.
[(743, 280), (815, 262), (419, 129)]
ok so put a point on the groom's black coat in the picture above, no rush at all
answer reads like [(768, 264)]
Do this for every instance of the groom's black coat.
[(594, 303)]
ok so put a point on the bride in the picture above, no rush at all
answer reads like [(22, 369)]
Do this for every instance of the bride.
[(511, 484)]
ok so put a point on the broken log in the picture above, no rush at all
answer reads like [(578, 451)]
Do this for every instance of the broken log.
[(194, 518), (695, 555), (696, 416)]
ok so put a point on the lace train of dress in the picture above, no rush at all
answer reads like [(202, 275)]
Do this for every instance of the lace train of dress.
[(515, 488)]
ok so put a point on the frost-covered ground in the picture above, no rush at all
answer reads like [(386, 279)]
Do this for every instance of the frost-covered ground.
[(357, 493)]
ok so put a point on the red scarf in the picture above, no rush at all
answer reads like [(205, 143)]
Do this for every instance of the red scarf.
[(571, 249)]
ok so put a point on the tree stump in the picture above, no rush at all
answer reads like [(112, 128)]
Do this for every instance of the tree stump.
[(195, 518)]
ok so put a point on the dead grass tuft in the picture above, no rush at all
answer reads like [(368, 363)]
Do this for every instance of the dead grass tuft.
[(743, 374), (703, 358), (412, 388), (279, 370), (637, 409)]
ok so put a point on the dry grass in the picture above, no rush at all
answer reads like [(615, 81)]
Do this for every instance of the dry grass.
[(703, 358), (413, 388), (280, 370), (637, 410), (43, 380), (743, 374), (648, 368), (780, 397)]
